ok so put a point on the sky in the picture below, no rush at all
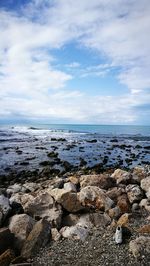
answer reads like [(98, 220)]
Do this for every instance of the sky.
[(83, 61)]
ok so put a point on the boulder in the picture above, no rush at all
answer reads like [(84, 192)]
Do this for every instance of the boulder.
[(140, 246), (95, 198), (114, 193), (14, 189), (69, 200), (4, 207), (145, 203), (145, 184), (23, 198), (138, 174), (38, 237), (21, 225), (6, 239), (6, 257), (134, 193), (123, 203), (103, 181), (44, 206), (74, 232), (70, 187), (56, 236), (121, 176)]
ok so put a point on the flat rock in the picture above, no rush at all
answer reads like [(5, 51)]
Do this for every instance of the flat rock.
[(6, 239), (21, 225), (95, 198), (38, 237), (134, 193), (140, 246)]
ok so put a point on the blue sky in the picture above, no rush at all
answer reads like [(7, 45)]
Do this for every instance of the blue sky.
[(75, 61)]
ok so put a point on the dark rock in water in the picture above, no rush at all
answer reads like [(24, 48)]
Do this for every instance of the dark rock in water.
[(45, 163), (60, 139), (113, 140), (82, 162), (24, 163), (52, 154), (92, 141), (6, 239)]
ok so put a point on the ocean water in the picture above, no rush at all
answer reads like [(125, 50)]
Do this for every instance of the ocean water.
[(24, 147)]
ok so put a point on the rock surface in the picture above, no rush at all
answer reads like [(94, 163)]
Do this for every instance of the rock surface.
[(121, 176), (134, 193), (140, 246), (103, 181)]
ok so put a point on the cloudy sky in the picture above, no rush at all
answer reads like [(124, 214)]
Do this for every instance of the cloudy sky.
[(83, 61)]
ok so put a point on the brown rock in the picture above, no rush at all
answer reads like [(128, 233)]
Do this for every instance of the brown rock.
[(123, 203), (123, 220), (114, 193), (21, 225), (6, 257), (38, 237), (6, 239), (140, 246), (144, 229), (103, 181), (138, 174), (67, 199), (94, 197), (121, 176), (114, 212), (74, 180)]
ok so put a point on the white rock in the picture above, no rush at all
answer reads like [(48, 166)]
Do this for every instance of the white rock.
[(21, 225), (14, 189), (75, 232), (70, 187), (4, 206)]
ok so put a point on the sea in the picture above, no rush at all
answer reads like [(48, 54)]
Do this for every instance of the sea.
[(26, 146)]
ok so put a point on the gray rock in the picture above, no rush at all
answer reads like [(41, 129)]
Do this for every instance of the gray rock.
[(14, 189), (134, 193), (140, 246), (38, 237), (70, 187), (76, 232), (145, 203), (21, 225), (4, 207), (145, 184)]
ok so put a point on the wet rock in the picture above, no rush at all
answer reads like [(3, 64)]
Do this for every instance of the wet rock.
[(103, 181), (95, 198), (70, 187), (140, 246), (6, 239), (38, 237), (4, 207), (75, 232), (44, 206), (69, 200), (145, 184), (6, 257), (121, 176), (21, 225), (56, 236), (134, 193), (123, 203)]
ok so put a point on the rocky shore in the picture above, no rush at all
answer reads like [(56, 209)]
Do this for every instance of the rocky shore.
[(72, 220)]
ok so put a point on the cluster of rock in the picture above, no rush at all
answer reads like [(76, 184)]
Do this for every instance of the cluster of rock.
[(33, 214)]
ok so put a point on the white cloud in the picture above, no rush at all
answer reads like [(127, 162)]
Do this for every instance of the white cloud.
[(29, 78)]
